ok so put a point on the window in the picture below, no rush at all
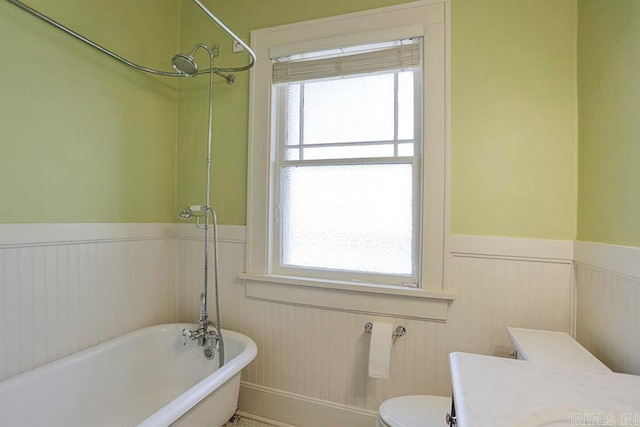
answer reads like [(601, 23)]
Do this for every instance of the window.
[(347, 156), (347, 167)]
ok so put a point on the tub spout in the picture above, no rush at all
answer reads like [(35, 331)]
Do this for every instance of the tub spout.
[(202, 334)]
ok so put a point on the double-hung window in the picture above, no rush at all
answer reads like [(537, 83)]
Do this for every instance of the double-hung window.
[(347, 163)]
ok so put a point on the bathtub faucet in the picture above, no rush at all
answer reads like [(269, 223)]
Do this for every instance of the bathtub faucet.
[(202, 334)]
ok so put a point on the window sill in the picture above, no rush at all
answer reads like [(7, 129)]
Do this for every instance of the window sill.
[(348, 296)]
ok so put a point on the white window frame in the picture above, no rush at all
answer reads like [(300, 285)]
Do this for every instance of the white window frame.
[(423, 18), (277, 268)]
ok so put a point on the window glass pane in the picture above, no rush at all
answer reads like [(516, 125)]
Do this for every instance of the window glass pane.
[(292, 154), (405, 150), (350, 109), (405, 105), (348, 152), (348, 217), (293, 114)]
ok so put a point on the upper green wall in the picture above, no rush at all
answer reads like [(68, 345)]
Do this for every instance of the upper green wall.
[(87, 139), (83, 138), (231, 110), (513, 111), (609, 101), (514, 118)]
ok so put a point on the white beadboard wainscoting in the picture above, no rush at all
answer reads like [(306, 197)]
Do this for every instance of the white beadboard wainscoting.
[(502, 282), (66, 287), (312, 362), (608, 303)]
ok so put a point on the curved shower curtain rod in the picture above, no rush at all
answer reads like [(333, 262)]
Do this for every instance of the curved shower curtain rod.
[(217, 70)]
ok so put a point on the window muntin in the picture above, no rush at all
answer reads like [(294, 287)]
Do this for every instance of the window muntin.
[(348, 177)]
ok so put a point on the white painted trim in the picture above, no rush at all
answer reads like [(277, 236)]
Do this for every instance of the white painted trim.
[(431, 18), (511, 247), (446, 265), (398, 33), (349, 286), (226, 233), (621, 260), (295, 409), (43, 234), (352, 298)]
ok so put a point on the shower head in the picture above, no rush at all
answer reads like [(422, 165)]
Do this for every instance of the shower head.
[(185, 64)]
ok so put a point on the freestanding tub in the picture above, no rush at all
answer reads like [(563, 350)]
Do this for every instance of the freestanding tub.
[(145, 378)]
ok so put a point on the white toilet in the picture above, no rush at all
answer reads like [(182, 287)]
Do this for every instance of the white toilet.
[(414, 411)]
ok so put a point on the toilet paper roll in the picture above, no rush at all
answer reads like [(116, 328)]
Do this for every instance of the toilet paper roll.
[(380, 350)]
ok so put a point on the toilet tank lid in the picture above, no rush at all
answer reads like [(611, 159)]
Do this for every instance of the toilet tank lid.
[(416, 410)]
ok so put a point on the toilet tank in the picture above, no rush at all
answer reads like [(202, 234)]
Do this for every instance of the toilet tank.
[(553, 347)]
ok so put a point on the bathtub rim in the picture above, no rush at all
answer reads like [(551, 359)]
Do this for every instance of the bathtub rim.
[(179, 406), (185, 401)]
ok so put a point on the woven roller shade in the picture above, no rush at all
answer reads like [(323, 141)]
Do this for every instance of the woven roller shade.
[(394, 58)]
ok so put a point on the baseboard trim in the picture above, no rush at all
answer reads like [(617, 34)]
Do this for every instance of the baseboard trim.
[(262, 419), (298, 410)]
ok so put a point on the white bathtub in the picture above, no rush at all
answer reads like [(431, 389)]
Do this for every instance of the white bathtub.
[(145, 378)]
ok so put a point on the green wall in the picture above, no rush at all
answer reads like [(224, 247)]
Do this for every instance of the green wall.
[(514, 141), (609, 126), (230, 135), (86, 139), (83, 138), (513, 112)]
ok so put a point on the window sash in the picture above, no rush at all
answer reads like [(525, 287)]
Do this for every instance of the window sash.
[(276, 257), (284, 144), (395, 145), (408, 280)]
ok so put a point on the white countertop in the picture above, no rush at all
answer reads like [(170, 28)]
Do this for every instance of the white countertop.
[(494, 392), (553, 347)]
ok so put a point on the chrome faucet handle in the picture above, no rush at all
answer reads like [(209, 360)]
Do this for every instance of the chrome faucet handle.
[(186, 334), (213, 338)]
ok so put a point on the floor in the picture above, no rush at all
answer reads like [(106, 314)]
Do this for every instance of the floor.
[(248, 422)]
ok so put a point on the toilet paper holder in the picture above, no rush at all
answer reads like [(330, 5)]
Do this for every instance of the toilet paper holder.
[(400, 330)]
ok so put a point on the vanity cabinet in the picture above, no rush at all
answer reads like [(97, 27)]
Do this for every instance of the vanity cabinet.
[(558, 382)]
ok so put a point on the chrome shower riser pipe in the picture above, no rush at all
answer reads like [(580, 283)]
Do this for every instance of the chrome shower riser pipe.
[(210, 217)]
